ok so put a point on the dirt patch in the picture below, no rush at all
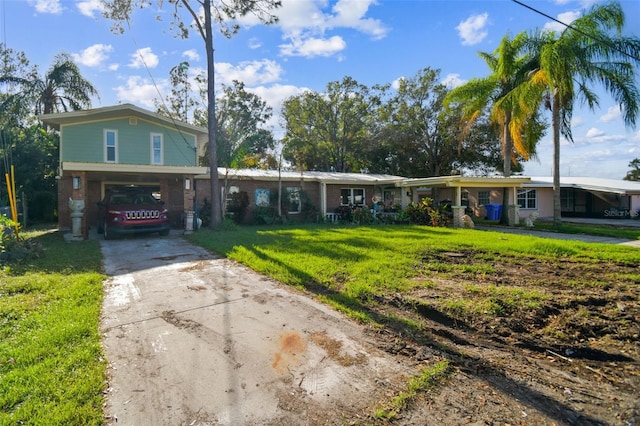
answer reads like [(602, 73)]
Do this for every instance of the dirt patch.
[(531, 342)]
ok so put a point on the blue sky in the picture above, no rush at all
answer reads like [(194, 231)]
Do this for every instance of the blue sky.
[(316, 42)]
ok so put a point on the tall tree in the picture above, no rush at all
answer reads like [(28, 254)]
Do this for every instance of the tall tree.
[(203, 15), (14, 108), (634, 173), (592, 50), (180, 101), (511, 107), (329, 131), (419, 136), (62, 88), (242, 139)]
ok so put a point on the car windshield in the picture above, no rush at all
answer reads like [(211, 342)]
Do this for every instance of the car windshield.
[(123, 199)]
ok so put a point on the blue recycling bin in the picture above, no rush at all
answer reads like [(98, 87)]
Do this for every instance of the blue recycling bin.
[(494, 211)]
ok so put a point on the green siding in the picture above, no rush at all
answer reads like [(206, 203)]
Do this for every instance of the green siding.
[(85, 143)]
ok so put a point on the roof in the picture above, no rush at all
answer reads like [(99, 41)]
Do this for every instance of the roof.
[(116, 111), (324, 177), (622, 187), (466, 181)]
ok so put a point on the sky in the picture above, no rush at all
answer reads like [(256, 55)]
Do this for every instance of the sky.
[(317, 42)]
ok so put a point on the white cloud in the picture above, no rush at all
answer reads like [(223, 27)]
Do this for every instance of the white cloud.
[(311, 47), (255, 43), (594, 133), (453, 80), (47, 6), (395, 84), (473, 30), (613, 113), (251, 73), (637, 136), (93, 56), (191, 54), (274, 96), (88, 7), (351, 14), (140, 91), (305, 25), (566, 18), (144, 57), (577, 121)]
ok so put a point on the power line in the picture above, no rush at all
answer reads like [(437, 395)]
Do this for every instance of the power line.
[(591, 36)]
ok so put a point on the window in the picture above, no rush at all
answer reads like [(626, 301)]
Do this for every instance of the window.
[(527, 198), (110, 146), (464, 199), (229, 197), (295, 203), (566, 200), (156, 148), (483, 197), (352, 197)]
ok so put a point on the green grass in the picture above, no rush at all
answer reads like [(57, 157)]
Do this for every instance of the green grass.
[(52, 369), (428, 378), (585, 229), (347, 265)]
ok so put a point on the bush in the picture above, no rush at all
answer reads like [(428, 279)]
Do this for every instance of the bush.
[(427, 213), (237, 208), (12, 248)]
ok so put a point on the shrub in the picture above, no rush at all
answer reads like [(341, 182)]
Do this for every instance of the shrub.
[(238, 205), (13, 248), (427, 213)]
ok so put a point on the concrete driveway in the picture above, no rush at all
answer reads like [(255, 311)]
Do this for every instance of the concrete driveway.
[(192, 339)]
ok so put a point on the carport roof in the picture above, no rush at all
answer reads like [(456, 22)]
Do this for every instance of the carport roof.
[(622, 187), (466, 181)]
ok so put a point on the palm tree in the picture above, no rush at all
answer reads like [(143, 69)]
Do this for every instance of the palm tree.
[(61, 89), (511, 108), (590, 50)]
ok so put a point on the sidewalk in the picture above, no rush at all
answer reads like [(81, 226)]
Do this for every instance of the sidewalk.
[(560, 236)]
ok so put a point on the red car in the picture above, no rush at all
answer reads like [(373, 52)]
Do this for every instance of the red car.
[(131, 211)]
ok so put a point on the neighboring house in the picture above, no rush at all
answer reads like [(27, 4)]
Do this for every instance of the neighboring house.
[(327, 192), (582, 197), (127, 145)]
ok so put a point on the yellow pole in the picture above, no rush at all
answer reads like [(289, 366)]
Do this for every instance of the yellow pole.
[(12, 202), (13, 191)]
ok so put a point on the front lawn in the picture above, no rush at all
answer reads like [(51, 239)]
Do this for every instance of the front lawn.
[(52, 369), (487, 313), (352, 267)]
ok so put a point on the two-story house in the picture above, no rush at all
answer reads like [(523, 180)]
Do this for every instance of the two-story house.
[(124, 145)]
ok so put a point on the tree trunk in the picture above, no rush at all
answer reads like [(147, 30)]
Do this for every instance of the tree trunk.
[(555, 128), (506, 165), (216, 203)]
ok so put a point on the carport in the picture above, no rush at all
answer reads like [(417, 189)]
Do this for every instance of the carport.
[(457, 183), (90, 180)]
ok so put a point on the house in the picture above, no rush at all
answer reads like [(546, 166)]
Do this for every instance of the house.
[(125, 145)]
